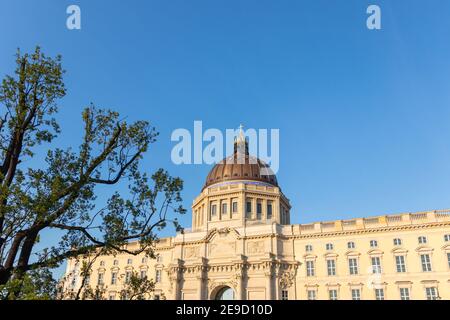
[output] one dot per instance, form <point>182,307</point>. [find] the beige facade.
<point>404,255</point>
<point>242,246</point>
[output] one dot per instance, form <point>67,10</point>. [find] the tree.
<point>133,288</point>
<point>35,285</point>
<point>61,193</point>
<point>137,288</point>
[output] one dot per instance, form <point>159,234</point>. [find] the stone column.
<point>269,290</point>
<point>264,210</point>
<point>243,205</point>
<point>276,277</point>
<point>176,294</point>
<point>175,276</point>
<point>239,278</point>
<point>201,278</point>
<point>200,287</point>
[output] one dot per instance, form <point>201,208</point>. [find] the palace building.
<point>243,246</point>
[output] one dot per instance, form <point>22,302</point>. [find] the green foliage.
<point>137,288</point>
<point>61,194</point>
<point>34,285</point>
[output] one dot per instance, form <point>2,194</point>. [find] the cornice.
<point>372,230</point>
<point>313,235</point>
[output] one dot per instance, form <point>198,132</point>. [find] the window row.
<point>144,260</point>
<point>374,243</point>
<point>224,210</point>
<point>431,293</point>
<point>128,274</point>
<point>353,265</point>
<point>249,210</point>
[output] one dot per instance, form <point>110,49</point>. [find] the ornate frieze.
<point>192,252</point>
<point>255,247</point>
<point>286,279</point>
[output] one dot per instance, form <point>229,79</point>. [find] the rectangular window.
<point>143,274</point>
<point>379,294</point>
<point>448,259</point>
<point>235,207</point>
<point>356,294</point>
<point>422,240</point>
<point>127,276</point>
<point>404,293</point>
<point>331,267</point>
<point>308,248</point>
<point>311,294</point>
<point>258,210</point>
<point>114,278</point>
<point>284,295</point>
<point>397,242</point>
<point>353,265</point>
<point>373,243</point>
<point>431,293</point>
<point>351,245</point>
<point>269,210</point>
<point>376,265</point>
<point>158,276</point>
<point>282,217</point>
<point>224,208</point>
<point>333,294</point>
<point>213,210</point>
<point>400,263</point>
<point>101,277</point>
<point>447,237</point>
<point>310,268</point>
<point>248,209</point>
<point>74,281</point>
<point>329,246</point>
<point>426,262</point>
<point>87,279</point>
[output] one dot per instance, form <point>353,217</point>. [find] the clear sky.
<point>363,115</point>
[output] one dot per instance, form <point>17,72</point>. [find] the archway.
<point>225,293</point>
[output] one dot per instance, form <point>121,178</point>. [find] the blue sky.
<point>363,115</point>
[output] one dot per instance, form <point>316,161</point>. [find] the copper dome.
<point>241,167</point>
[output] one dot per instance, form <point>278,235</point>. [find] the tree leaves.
<point>62,193</point>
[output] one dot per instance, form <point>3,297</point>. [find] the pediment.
<point>424,249</point>
<point>221,233</point>
<point>352,253</point>
<point>399,251</point>
<point>375,252</point>
<point>222,242</point>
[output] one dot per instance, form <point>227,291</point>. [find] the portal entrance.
<point>225,293</point>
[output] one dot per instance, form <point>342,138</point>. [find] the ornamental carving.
<point>222,249</point>
<point>255,247</point>
<point>286,280</point>
<point>214,284</point>
<point>224,231</point>
<point>192,252</point>
<point>173,276</point>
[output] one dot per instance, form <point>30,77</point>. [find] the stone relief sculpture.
<point>286,280</point>
<point>192,252</point>
<point>255,247</point>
